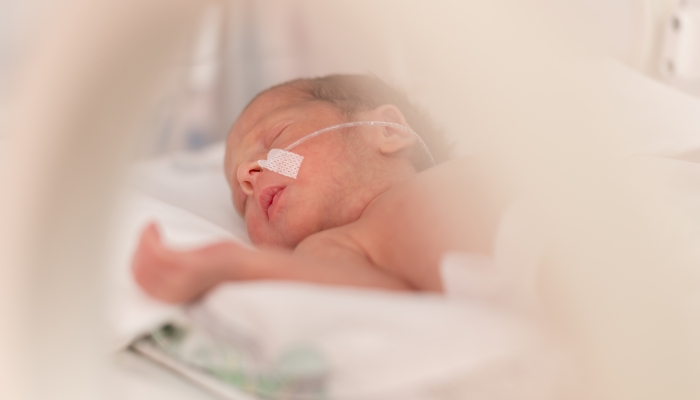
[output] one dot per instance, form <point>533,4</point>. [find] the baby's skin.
<point>358,214</point>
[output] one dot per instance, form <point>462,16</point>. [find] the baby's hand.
<point>180,276</point>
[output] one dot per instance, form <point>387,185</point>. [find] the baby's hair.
<point>352,93</point>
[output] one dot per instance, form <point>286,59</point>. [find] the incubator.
<point>92,92</point>
<point>678,62</point>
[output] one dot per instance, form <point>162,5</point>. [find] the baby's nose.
<point>247,174</point>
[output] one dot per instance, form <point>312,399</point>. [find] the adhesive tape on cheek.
<point>282,162</point>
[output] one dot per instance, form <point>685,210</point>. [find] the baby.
<point>367,207</point>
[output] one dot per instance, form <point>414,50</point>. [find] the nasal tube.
<point>287,163</point>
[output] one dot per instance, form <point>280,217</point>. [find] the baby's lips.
<point>267,196</point>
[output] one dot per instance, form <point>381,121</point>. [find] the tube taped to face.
<point>284,162</point>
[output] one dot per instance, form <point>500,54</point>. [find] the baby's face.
<point>333,185</point>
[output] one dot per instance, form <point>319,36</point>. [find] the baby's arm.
<point>181,276</point>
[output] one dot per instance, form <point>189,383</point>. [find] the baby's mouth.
<point>268,198</point>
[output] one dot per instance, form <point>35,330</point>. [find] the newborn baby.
<point>367,207</point>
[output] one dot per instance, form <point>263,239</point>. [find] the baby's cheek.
<point>239,199</point>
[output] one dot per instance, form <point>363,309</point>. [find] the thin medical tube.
<point>362,123</point>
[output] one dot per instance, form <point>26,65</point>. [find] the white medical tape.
<point>282,162</point>
<point>286,163</point>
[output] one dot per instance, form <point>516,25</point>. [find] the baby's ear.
<point>393,139</point>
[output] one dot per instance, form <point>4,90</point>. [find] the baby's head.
<point>342,171</point>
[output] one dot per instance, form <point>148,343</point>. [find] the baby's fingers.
<point>150,250</point>
<point>151,235</point>
<point>181,276</point>
<point>154,266</point>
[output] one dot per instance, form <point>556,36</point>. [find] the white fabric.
<point>383,345</point>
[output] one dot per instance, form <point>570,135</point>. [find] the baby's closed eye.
<point>275,133</point>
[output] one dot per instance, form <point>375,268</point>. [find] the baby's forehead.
<point>272,103</point>
<point>261,107</point>
<point>270,100</point>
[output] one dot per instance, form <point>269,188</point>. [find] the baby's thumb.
<point>151,235</point>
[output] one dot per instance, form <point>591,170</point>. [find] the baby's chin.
<point>272,238</point>
<point>286,232</point>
